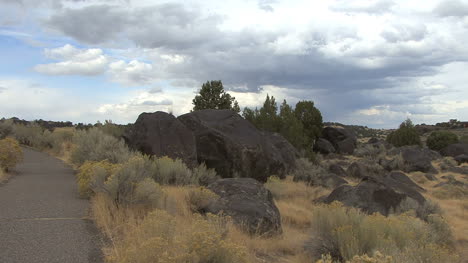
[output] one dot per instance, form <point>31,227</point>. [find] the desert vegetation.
<point>356,201</point>
<point>406,134</point>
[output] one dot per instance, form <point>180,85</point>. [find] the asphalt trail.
<point>42,219</point>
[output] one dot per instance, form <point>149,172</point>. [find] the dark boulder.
<point>342,139</point>
<point>323,146</point>
<point>374,194</point>
<point>281,152</point>
<point>248,203</point>
<point>399,179</point>
<point>161,134</point>
<point>418,159</point>
<point>235,148</point>
<point>373,140</point>
<point>364,168</point>
<point>462,158</point>
<point>337,170</point>
<point>455,149</point>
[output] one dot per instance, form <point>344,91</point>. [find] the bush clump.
<point>94,145</point>
<point>87,173</point>
<point>200,198</point>
<point>406,134</point>
<point>10,153</point>
<point>344,233</point>
<point>31,135</point>
<point>440,139</point>
<point>173,172</point>
<point>123,185</point>
<point>6,128</point>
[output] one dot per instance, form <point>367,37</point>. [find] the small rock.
<point>248,203</point>
<point>462,158</point>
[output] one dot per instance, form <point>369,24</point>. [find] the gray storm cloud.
<point>331,62</point>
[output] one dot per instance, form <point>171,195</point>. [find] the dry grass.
<point>118,223</point>
<point>139,235</point>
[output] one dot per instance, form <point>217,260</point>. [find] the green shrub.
<point>58,138</point>
<point>405,135</point>
<point>312,174</point>
<point>10,153</point>
<point>200,198</point>
<point>94,145</point>
<point>370,151</point>
<point>305,170</point>
<point>345,233</point>
<point>6,128</point>
<point>122,185</point>
<point>30,135</point>
<point>440,139</point>
<point>112,129</point>
<point>149,193</point>
<point>173,172</point>
<point>203,175</point>
<point>89,171</point>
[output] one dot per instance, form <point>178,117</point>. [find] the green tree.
<point>291,127</point>
<point>250,115</point>
<point>440,139</point>
<point>213,96</point>
<point>268,119</point>
<point>311,119</point>
<point>406,134</point>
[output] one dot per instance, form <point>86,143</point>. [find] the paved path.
<point>41,217</point>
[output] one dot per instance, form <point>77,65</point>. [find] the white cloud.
<point>75,61</point>
<point>177,101</point>
<point>133,73</point>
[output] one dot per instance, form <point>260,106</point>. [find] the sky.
<point>372,63</point>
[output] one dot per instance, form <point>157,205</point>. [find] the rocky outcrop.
<point>342,139</point>
<point>323,146</point>
<point>399,179</point>
<point>248,203</point>
<point>235,148</point>
<point>455,149</point>
<point>418,159</point>
<point>161,134</point>
<point>373,194</point>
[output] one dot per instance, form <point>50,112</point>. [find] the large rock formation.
<point>373,194</point>
<point>161,134</point>
<point>248,203</point>
<point>342,139</point>
<point>234,147</point>
<point>455,149</point>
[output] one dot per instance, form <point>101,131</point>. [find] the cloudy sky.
<point>371,63</point>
